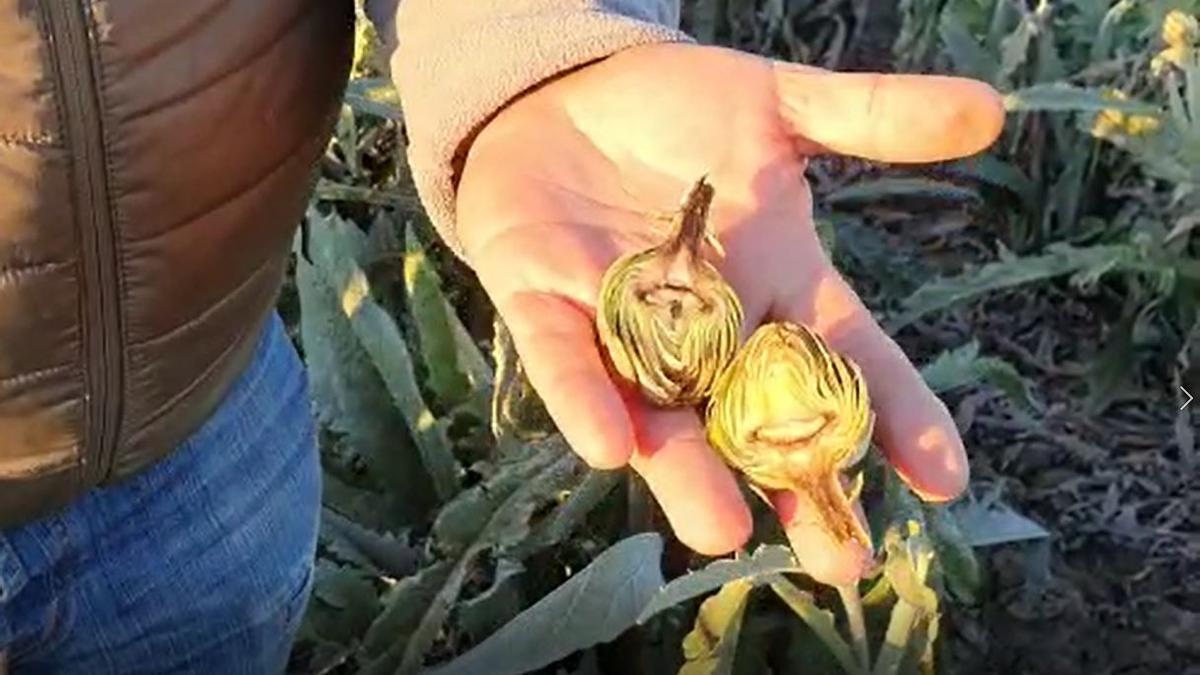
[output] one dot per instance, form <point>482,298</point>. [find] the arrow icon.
<point>1185,403</point>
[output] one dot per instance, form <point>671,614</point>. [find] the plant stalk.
<point>852,602</point>
<point>821,624</point>
<point>895,643</point>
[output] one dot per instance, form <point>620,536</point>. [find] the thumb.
<point>884,117</point>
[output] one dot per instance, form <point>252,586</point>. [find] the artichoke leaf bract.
<point>668,321</point>
<point>791,414</point>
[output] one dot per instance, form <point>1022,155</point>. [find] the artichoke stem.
<point>833,508</point>
<point>692,222</point>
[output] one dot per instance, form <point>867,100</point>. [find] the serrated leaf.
<point>994,523</point>
<point>459,523</point>
<point>592,607</point>
<point>404,606</point>
<point>711,646</point>
<point>336,248</point>
<point>1062,97</point>
<point>767,560</point>
<point>964,367</point>
<point>414,614</point>
<point>505,528</point>
<point>349,393</point>
<point>382,552</point>
<point>953,368</point>
<point>875,189</point>
<point>1060,260</point>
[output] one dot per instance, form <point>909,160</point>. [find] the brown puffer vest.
<point>155,160</point>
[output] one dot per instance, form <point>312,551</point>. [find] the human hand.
<point>561,182</point>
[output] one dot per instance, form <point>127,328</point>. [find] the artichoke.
<point>668,321</point>
<point>791,414</point>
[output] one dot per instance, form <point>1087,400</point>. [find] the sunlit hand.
<point>562,181</point>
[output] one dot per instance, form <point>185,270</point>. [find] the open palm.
<point>569,176</point>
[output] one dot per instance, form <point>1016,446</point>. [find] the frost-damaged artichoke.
<point>791,414</point>
<point>666,318</point>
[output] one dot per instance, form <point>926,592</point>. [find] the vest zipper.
<point>81,112</point>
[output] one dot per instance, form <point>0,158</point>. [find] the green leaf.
<point>1062,97</point>
<point>766,561</point>
<point>991,522</point>
<point>498,512</point>
<point>336,247</point>
<point>1002,375</point>
<point>955,557</point>
<point>905,559</point>
<point>820,621</point>
<point>989,169</point>
<point>970,58</point>
<point>374,96</point>
<point>711,647</point>
<point>382,553</point>
<point>953,368</point>
<point>1060,260</point>
<point>457,526</point>
<point>344,603</point>
<point>911,627</point>
<point>1112,367</point>
<point>567,517</point>
<point>706,20</point>
<point>483,614</point>
<point>405,605</point>
<point>348,392</point>
<point>964,367</point>
<point>429,308</point>
<point>370,509</point>
<point>875,189</point>
<point>1014,49</point>
<point>592,607</point>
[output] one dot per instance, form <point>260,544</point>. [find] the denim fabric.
<point>202,564</point>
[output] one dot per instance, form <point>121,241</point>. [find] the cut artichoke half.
<point>791,414</point>
<point>668,321</point>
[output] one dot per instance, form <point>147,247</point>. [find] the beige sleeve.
<point>458,62</point>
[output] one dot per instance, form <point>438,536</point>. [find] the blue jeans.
<point>201,564</point>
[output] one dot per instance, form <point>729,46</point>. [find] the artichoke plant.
<point>789,413</point>
<point>668,321</point>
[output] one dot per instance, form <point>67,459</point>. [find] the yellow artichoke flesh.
<point>668,321</point>
<point>792,414</point>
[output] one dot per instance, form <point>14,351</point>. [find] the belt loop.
<point>12,573</point>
